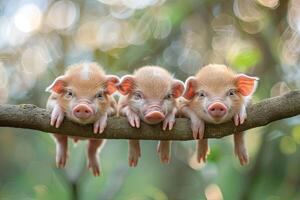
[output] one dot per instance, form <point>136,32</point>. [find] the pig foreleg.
<point>132,117</point>
<point>100,124</point>
<point>57,116</point>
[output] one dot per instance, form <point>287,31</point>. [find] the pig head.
<point>216,93</point>
<point>83,92</point>
<point>151,93</point>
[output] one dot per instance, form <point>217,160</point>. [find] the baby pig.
<point>83,95</point>
<point>216,95</point>
<point>149,95</point>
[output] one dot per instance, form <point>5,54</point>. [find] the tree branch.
<point>260,114</point>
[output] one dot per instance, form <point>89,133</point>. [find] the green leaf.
<point>245,59</point>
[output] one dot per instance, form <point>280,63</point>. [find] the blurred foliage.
<point>40,38</point>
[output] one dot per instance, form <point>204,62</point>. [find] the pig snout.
<point>217,110</point>
<point>82,111</point>
<point>154,114</point>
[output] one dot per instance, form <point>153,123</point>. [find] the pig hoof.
<point>133,119</point>
<point>94,166</point>
<point>198,130</point>
<point>57,117</point>
<point>61,161</point>
<point>100,125</point>
<point>164,157</point>
<point>239,119</point>
<point>163,150</point>
<point>169,122</point>
<point>133,160</point>
<point>197,126</point>
<point>242,155</point>
<point>133,157</point>
<point>202,155</point>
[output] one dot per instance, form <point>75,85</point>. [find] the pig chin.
<point>219,120</point>
<point>210,119</point>
<point>152,121</point>
<point>81,121</point>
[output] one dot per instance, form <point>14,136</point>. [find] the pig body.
<point>82,95</point>
<point>149,95</point>
<point>217,94</point>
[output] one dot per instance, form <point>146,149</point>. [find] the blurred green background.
<point>39,38</point>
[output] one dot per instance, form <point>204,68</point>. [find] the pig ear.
<point>246,84</point>
<point>190,88</point>
<point>57,86</point>
<point>126,85</point>
<point>111,84</point>
<point>177,88</point>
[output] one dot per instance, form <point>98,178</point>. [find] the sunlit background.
<point>40,38</point>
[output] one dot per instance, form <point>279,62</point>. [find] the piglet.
<point>149,95</point>
<point>217,95</point>
<point>83,95</point>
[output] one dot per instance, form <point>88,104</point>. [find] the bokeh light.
<point>288,145</point>
<point>87,34</point>
<point>213,192</point>
<point>121,11</point>
<point>269,3</point>
<point>163,27</point>
<point>109,35</point>
<point>247,10</point>
<point>3,84</point>
<point>28,18</point>
<point>296,134</point>
<point>294,15</point>
<point>34,60</point>
<point>62,14</point>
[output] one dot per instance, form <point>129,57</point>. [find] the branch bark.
<point>259,114</point>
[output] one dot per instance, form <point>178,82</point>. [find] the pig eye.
<point>137,96</point>
<point>231,92</point>
<point>168,97</point>
<point>99,95</point>
<point>201,94</point>
<point>69,94</point>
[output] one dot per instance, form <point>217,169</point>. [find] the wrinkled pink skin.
<point>217,110</point>
<point>80,112</point>
<point>152,114</point>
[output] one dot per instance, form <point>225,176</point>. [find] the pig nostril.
<point>213,109</point>
<point>222,109</point>
<point>86,111</point>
